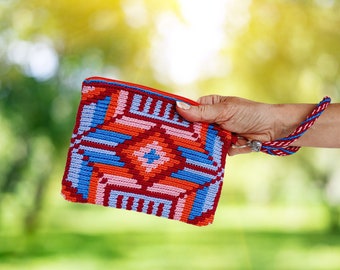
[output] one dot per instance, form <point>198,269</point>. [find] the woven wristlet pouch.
<point>131,150</point>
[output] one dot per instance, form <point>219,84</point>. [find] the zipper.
<point>160,92</point>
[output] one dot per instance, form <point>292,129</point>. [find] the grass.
<point>89,237</point>
<point>178,250</point>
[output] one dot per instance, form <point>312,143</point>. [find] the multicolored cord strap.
<point>281,147</point>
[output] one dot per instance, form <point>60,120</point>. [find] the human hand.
<point>248,119</point>
<point>263,122</point>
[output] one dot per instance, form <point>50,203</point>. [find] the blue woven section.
<point>84,179</point>
<point>198,203</point>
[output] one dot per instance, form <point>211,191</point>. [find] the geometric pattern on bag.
<point>131,150</point>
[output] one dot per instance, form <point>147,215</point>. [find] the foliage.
<point>147,250</point>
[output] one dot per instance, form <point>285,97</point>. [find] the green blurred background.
<point>274,213</point>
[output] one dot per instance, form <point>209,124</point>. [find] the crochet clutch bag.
<point>131,150</point>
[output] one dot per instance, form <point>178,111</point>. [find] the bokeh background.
<point>274,213</point>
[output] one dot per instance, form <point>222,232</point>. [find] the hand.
<point>264,122</point>
<point>249,119</point>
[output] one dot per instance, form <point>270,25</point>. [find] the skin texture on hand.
<point>264,122</point>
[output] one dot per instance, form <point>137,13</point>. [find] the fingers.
<point>201,113</point>
<point>211,99</point>
<point>235,151</point>
<point>209,112</point>
<point>238,147</point>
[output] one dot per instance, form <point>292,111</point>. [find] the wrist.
<point>287,117</point>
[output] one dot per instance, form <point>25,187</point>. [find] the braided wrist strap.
<point>281,147</point>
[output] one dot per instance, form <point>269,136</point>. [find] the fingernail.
<point>183,105</point>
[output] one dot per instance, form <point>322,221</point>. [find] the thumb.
<point>199,113</point>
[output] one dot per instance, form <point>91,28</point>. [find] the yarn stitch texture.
<point>131,150</point>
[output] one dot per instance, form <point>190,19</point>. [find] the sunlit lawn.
<point>89,237</point>
<point>148,250</point>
